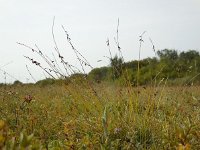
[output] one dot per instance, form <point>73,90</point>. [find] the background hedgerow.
<point>180,68</point>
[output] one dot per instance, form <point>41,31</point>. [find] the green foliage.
<point>100,74</point>
<point>170,64</point>
<point>167,55</point>
<point>49,81</point>
<point>117,66</point>
<point>78,76</point>
<point>17,83</point>
<point>45,82</point>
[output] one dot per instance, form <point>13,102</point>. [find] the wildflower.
<point>28,98</point>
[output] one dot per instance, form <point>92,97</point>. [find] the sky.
<point>172,24</point>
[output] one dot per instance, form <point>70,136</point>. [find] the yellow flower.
<point>184,147</point>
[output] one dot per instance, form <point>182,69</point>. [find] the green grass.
<point>100,116</point>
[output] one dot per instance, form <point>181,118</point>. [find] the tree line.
<point>176,67</point>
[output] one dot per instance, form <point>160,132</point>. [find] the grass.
<point>74,117</point>
<point>77,113</point>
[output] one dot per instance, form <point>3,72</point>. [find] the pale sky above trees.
<point>172,24</point>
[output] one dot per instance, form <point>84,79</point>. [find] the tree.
<point>189,56</point>
<point>167,54</point>
<point>99,74</point>
<point>117,66</point>
<point>17,82</point>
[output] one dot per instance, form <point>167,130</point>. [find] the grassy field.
<point>86,115</point>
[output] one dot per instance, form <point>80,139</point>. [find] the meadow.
<point>86,115</point>
<point>133,108</point>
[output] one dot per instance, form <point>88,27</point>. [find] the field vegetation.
<point>75,117</point>
<point>152,103</point>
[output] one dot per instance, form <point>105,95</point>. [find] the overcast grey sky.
<point>170,24</point>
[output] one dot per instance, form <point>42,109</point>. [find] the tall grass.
<point>77,113</point>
